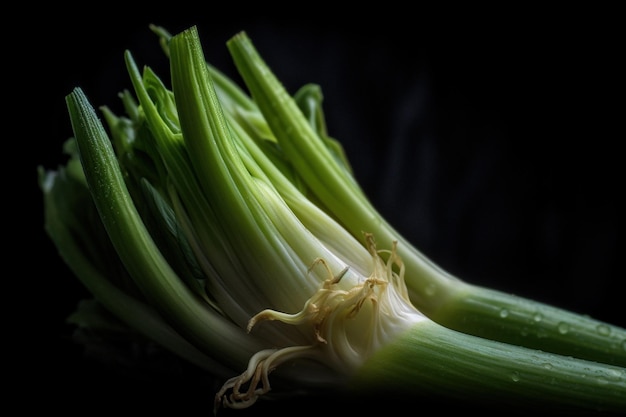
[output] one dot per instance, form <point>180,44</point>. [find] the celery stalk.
<point>141,258</point>
<point>444,298</point>
<point>200,240</point>
<point>489,373</point>
<point>60,191</point>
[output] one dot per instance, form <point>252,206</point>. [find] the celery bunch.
<point>229,229</point>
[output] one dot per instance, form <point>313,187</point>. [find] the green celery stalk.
<point>217,146</point>
<point>138,252</point>
<point>221,259</point>
<point>490,374</point>
<point>444,298</point>
<point>66,199</point>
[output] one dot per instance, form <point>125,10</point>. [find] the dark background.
<point>493,144</point>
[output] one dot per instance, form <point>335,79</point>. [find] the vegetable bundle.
<point>228,228</point>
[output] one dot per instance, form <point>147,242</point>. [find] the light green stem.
<point>436,293</point>
<point>132,311</point>
<point>138,252</point>
<point>429,360</point>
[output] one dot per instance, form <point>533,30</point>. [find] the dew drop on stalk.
<point>603,329</point>
<point>431,289</point>
<point>504,313</point>
<point>602,380</point>
<point>615,375</point>
<point>563,327</point>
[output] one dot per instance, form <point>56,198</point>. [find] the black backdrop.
<point>492,145</point>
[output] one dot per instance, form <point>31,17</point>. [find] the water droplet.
<point>538,317</point>
<point>547,365</point>
<point>603,329</point>
<point>515,376</point>
<point>602,380</point>
<point>504,313</point>
<point>431,289</point>
<point>563,327</point>
<point>615,374</point>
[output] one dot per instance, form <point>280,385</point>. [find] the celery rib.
<point>441,296</point>
<point>136,248</point>
<point>133,312</point>
<point>430,359</point>
<point>229,229</point>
